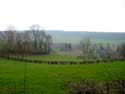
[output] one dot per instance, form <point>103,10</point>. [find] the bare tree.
<point>42,41</point>
<point>26,43</point>
<point>121,50</point>
<point>86,44</point>
<point>9,39</point>
<point>48,43</point>
<point>35,29</point>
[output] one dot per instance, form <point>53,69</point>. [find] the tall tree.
<point>48,43</point>
<point>121,50</point>
<point>10,38</point>
<point>86,44</point>
<point>35,31</point>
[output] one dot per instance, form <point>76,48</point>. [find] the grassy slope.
<point>50,78</point>
<point>54,58</point>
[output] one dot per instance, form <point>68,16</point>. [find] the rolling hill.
<point>75,36</point>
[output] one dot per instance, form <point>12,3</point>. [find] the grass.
<point>54,58</point>
<point>50,79</point>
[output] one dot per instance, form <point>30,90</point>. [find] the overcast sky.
<point>83,15</point>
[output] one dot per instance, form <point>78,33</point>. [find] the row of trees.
<point>34,41</point>
<point>101,51</point>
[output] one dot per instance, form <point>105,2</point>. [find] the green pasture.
<point>50,79</point>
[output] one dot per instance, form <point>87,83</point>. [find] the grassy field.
<point>50,79</point>
<point>53,58</point>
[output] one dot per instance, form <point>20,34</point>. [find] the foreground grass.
<point>50,79</point>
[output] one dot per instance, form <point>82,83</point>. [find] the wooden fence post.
<point>107,88</point>
<point>122,87</point>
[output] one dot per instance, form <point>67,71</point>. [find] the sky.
<point>68,15</point>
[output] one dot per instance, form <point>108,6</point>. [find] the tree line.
<point>102,51</point>
<point>33,41</point>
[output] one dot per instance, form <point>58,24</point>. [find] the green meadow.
<point>53,58</point>
<point>50,79</point>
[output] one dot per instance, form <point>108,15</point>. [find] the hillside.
<point>75,36</point>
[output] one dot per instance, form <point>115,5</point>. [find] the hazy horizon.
<point>65,15</point>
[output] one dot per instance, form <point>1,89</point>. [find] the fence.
<point>62,62</point>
